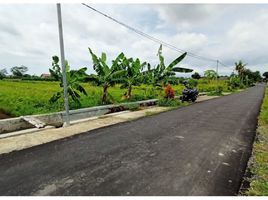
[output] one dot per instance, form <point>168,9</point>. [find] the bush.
<point>192,83</point>
<point>149,93</point>
<point>196,76</point>
<point>169,92</point>
<point>217,92</point>
<point>235,82</point>
<point>168,102</point>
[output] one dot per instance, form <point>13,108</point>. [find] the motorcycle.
<point>189,94</point>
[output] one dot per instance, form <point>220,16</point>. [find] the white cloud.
<point>29,34</point>
<point>246,40</point>
<point>185,16</point>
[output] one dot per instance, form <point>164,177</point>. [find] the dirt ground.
<point>3,115</point>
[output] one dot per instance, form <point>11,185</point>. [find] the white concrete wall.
<point>57,119</point>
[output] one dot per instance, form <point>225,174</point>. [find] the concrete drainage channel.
<point>45,121</point>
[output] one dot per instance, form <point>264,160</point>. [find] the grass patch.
<point>259,167</point>
<point>21,97</point>
<point>169,102</point>
<point>217,92</point>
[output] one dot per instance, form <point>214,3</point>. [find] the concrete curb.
<point>57,119</point>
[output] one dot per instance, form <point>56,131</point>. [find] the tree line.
<point>126,71</point>
<point>129,72</point>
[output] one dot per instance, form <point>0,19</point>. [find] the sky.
<point>229,33</point>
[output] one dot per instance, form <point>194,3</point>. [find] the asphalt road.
<point>200,149</point>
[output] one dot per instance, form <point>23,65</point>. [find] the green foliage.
<point>20,97</point>
<point>251,77</point>
<point>234,82</point>
<point>240,68</point>
<point>73,77</point>
<point>265,75</point>
<point>132,107</point>
<point>55,72</point>
<point>205,85</point>
<point>217,92</point>
<point>161,75</point>
<point>196,75</point>
<point>246,76</point>
<point>192,82</point>
<point>19,71</point>
<point>3,73</point>
<point>106,76</point>
<point>169,102</point>
<point>259,168</point>
<point>132,73</point>
<point>210,74</point>
<point>124,72</point>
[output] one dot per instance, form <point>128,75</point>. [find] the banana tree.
<point>132,74</point>
<point>73,77</point>
<point>106,76</point>
<point>162,74</point>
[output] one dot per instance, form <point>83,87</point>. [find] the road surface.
<point>201,149</point>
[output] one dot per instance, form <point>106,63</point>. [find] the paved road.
<point>200,149</point>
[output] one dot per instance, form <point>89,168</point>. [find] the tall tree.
<point>196,75</point>
<point>265,75</point>
<point>19,71</point>
<point>251,77</point>
<point>240,68</point>
<point>3,73</point>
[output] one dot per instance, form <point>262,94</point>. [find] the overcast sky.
<point>29,34</point>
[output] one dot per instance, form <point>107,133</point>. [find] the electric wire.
<point>170,46</point>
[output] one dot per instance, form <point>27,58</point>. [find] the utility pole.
<point>217,69</point>
<point>63,66</point>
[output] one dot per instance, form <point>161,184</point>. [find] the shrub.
<point>196,76</point>
<point>234,82</point>
<point>168,102</point>
<point>169,92</point>
<point>218,91</point>
<point>192,83</point>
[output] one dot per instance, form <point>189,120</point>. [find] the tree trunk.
<point>104,96</point>
<point>129,92</point>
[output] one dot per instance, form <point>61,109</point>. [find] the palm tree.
<point>106,76</point>
<point>73,77</point>
<point>240,68</point>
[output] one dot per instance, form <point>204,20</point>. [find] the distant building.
<point>45,75</point>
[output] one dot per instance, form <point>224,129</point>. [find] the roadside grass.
<point>259,168</point>
<point>19,98</point>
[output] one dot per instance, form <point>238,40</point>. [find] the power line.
<point>170,46</point>
<point>231,68</point>
<point>151,37</point>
